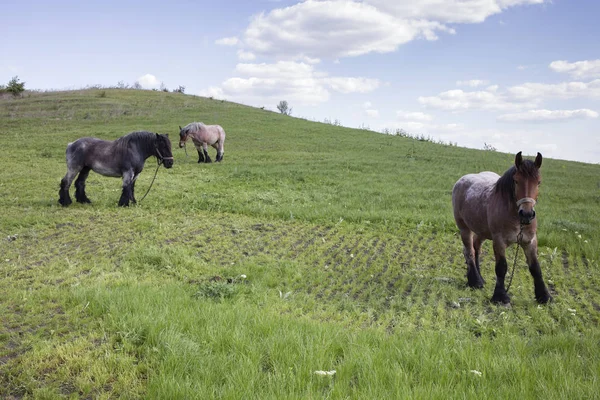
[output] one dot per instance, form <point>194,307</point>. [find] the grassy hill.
<point>311,247</point>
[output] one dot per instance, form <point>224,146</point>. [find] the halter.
<point>161,158</point>
<point>526,200</point>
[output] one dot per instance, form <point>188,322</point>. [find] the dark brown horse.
<point>498,208</point>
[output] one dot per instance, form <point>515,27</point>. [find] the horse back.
<point>471,196</point>
<point>97,154</point>
<point>210,134</point>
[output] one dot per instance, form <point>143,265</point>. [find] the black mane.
<point>505,186</point>
<point>145,138</point>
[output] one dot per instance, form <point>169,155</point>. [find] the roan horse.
<point>123,157</point>
<point>487,206</point>
<point>203,136</point>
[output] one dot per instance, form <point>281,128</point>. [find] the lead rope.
<point>151,183</point>
<point>159,160</point>
<point>519,240</point>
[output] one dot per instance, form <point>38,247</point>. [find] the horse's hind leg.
<point>477,241</point>
<point>220,151</point>
<point>80,186</point>
<point>474,279</point>
<point>64,199</point>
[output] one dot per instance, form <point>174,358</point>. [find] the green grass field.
<point>311,247</point>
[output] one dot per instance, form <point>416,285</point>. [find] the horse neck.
<point>147,147</point>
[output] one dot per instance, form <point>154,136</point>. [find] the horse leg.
<point>80,186</point>
<point>206,156</point>
<point>477,247</point>
<point>200,156</point>
<point>473,277</point>
<point>500,296</point>
<point>219,147</point>
<point>133,188</point>
<point>65,183</point>
<point>127,189</point>
<point>542,295</point>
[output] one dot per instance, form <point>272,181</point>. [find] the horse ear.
<point>538,160</point>
<point>157,136</point>
<point>179,127</point>
<point>518,160</point>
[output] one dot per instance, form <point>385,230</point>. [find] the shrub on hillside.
<point>15,87</point>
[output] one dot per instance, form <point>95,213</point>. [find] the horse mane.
<point>193,127</point>
<point>147,139</point>
<point>505,186</point>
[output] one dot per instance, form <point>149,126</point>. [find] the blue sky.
<point>520,75</point>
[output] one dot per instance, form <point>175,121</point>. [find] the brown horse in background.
<point>203,136</point>
<point>487,206</point>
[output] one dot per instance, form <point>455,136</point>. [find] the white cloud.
<point>472,83</point>
<point>459,100</point>
<point>149,81</point>
<point>352,85</point>
<point>372,113</point>
<point>367,104</point>
<point>413,116</point>
<point>296,82</point>
<point>548,115</point>
<point>579,69</point>
<point>565,90</point>
<point>228,41</point>
<point>213,91</point>
<point>245,55</point>
<point>333,28</point>
<point>448,11</point>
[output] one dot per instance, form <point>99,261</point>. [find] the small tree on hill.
<point>284,108</point>
<point>15,87</point>
<point>180,89</point>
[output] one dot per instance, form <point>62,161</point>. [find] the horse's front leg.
<point>200,156</point>
<point>206,156</point>
<point>542,295</point>
<point>500,296</point>
<point>133,188</point>
<point>127,193</point>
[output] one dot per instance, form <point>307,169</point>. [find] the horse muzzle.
<point>168,162</point>
<point>526,217</point>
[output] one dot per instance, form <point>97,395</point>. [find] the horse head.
<point>163,150</point>
<point>527,180</point>
<point>183,134</point>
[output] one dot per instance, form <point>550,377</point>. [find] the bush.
<point>284,108</point>
<point>180,89</point>
<point>15,87</point>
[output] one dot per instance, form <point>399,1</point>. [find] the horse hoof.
<point>545,299</point>
<point>500,299</point>
<point>476,284</point>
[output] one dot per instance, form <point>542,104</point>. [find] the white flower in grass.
<point>571,310</point>
<point>585,241</point>
<point>579,236</point>
<point>325,373</point>
<point>478,373</point>
<point>243,276</point>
